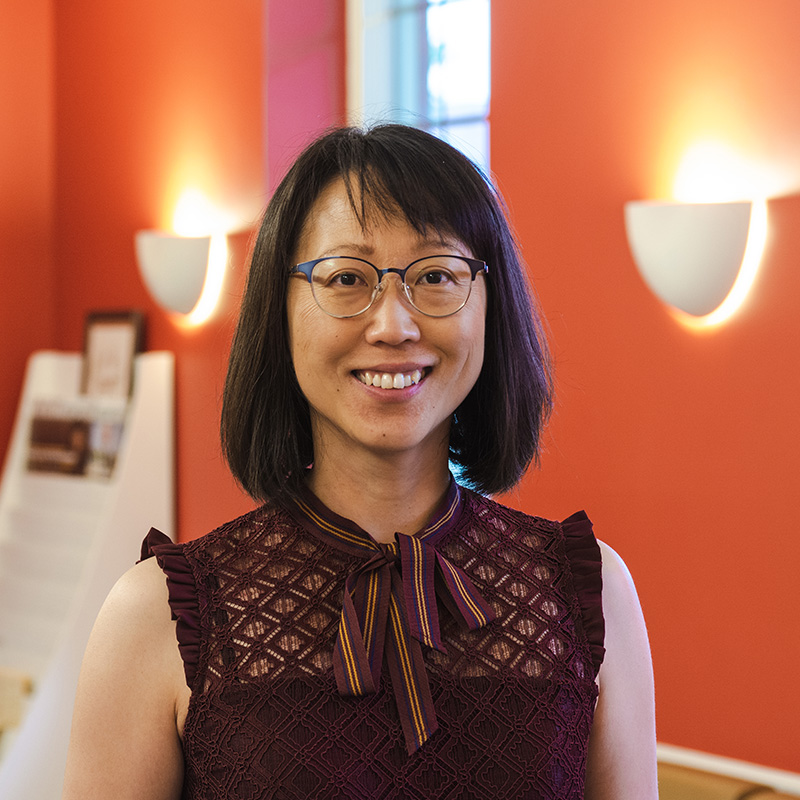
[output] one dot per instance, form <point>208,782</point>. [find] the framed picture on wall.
<point>111,340</point>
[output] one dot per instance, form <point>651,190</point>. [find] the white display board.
<point>66,538</point>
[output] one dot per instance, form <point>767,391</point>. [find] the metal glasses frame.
<point>307,267</point>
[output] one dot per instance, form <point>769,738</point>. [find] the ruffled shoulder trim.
<point>183,601</point>
<point>586,562</point>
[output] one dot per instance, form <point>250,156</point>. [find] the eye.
<point>347,279</point>
<point>439,273</point>
<point>434,277</point>
<point>340,273</point>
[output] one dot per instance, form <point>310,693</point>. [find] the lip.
<point>405,367</point>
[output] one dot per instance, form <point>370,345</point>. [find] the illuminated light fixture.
<point>698,256</point>
<point>184,272</point>
<point>173,267</point>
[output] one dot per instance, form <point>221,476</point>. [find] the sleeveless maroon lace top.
<point>458,663</point>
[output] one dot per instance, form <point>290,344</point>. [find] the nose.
<point>392,318</point>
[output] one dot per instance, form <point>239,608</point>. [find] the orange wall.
<point>682,447</point>
<point>150,97</point>
<point>26,192</point>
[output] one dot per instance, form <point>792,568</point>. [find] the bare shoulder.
<point>135,619</point>
<point>619,591</point>
<point>125,737</point>
<point>140,597</point>
<point>626,640</point>
<point>622,761</point>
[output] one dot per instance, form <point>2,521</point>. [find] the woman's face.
<point>435,360</point>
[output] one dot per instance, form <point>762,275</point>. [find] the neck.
<point>382,496</point>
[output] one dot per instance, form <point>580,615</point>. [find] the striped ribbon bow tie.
<point>390,611</point>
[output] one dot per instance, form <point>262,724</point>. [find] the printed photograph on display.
<point>71,438</point>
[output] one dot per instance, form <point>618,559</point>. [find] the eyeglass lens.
<point>436,286</point>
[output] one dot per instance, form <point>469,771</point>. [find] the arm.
<point>622,746</point>
<point>125,741</point>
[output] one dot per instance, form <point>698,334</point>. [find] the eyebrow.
<point>349,248</point>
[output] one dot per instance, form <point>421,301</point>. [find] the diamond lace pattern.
<point>514,700</point>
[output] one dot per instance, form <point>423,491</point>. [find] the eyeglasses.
<point>436,286</point>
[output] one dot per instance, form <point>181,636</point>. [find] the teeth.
<point>388,380</point>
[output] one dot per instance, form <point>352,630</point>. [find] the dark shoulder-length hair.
<point>388,169</point>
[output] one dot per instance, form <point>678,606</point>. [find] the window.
<point>424,64</point>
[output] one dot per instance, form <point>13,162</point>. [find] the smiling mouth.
<point>390,380</point>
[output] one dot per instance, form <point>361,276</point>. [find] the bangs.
<point>435,188</point>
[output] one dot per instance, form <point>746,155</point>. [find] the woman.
<point>375,630</point>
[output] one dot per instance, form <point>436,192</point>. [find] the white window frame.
<point>355,94</point>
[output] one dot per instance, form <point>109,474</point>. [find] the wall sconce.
<point>698,258</point>
<point>185,271</point>
<point>173,267</point>
<point>184,274</point>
